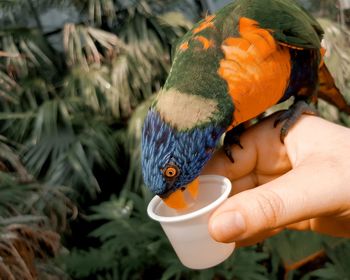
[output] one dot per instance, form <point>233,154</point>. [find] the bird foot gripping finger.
<point>228,153</point>
<point>232,137</point>
<point>292,115</point>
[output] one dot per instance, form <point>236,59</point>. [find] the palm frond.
<point>34,203</point>
<point>67,157</point>
<point>83,43</point>
<point>92,85</point>
<point>23,198</point>
<point>8,89</point>
<point>294,246</point>
<point>121,257</point>
<point>13,194</point>
<point>29,51</point>
<point>99,10</point>
<point>177,22</point>
<point>337,268</point>
<point>337,42</point>
<point>21,247</point>
<point>66,108</point>
<point>10,160</point>
<point>23,220</point>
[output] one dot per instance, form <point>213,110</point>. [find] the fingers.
<point>247,216</point>
<point>262,158</point>
<point>258,238</point>
<point>312,136</point>
<point>335,226</point>
<point>315,188</point>
<point>302,226</point>
<point>245,161</point>
<point>291,198</point>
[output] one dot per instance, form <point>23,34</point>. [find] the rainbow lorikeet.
<point>231,67</point>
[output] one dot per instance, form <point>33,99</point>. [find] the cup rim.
<point>162,219</point>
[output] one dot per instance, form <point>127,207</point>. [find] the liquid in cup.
<point>187,230</point>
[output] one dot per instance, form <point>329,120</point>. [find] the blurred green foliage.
<point>73,94</point>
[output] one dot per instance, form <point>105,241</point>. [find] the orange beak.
<point>177,199</point>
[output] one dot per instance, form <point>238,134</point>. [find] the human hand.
<point>303,184</point>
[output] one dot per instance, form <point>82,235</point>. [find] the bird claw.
<point>232,137</point>
<point>228,153</point>
<point>292,115</point>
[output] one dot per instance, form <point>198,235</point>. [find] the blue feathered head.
<point>171,158</point>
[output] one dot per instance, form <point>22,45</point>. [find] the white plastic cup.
<point>187,230</point>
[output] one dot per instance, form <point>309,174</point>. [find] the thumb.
<point>298,195</point>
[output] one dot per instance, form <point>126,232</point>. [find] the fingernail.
<point>228,226</point>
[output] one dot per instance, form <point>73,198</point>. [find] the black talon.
<point>232,138</point>
<point>292,115</point>
<point>279,118</point>
<point>228,153</point>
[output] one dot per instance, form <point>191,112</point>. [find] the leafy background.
<point>76,79</point>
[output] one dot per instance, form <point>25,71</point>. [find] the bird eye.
<point>170,172</point>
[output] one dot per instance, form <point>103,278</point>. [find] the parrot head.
<point>173,159</point>
<point>189,116</point>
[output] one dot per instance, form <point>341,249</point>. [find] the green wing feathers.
<point>287,20</point>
